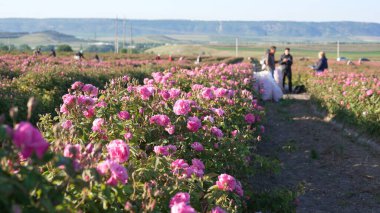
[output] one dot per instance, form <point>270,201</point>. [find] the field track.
<point>332,172</point>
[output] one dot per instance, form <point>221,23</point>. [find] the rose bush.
<point>353,97</point>
<point>181,142</point>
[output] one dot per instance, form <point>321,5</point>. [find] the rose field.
<point>180,140</point>
<point>141,135</point>
<point>349,94</point>
<point>352,97</point>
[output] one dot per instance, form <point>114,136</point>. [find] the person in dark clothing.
<point>286,62</point>
<point>270,60</point>
<point>322,63</point>
<point>53,53</point>
<point>37,52</point>
<point>97,58</point>
<point>80,55</point>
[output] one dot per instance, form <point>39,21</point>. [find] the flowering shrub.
<point>353,97</point>
<point>176,143</point>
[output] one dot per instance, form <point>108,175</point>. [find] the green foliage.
<point>234,60</point>
<point>100,48</point>
<point>64,48</point>
<point>276,201</point>
<point>24,48</point>
<point>7,48</point>
<point>45,48</point>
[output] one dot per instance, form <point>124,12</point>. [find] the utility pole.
<point>130,31</point>
<point>116,36</point>
<point>237,47</point>
<point>124,33</point>
<point>130,48</point>
<point>338,50</point>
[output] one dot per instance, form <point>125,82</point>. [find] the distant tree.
<point>64,48</point>
<point>124,50</point>
<point>44,48</point>
<point>7,48</point>
<point>24,48</point>
<point>3,47</point>
<point>100,48</point>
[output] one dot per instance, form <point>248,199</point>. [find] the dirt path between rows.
<point>336,173</point>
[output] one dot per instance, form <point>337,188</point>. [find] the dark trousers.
<point>288,74</point>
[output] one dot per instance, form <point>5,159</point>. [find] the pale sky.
<point>251,10</point>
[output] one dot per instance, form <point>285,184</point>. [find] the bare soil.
<point>332,172</point>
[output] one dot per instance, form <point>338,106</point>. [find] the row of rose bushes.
<point>47,79</point>
<point>352,97</point>
<point>181,142</point>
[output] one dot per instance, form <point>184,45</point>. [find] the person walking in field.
<point>97,58</point>
<point>270,60</point>
<point>52,53</point>
<point>322,63</point>
<point>79,55</point>
<point>286,62</point>
<point>37,52</point>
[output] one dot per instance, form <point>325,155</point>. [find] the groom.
<point>286,62</point>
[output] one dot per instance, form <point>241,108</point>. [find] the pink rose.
<point>180,197</point>
<point>165,95</point>
<point>219,112</point>
<point>64,109</point>
<point>97,125</point>
<point>162,120</point>
<point>117,173</point>
<point>29,140</point>
<point>234,133</point>
<point>208,94</point>
<point>124,115</point>
<point>165,150</point>
<point>181,107</point>
<point>216,132</point>
<point>170,129</point>
<point>118,151</point>
<point>145,92</point>
<point>89,113</point>
<point>128,136</point>
<point>182,208</point>
<point>174,93</point>
<point>218,210</point>
<point>77,85</point>
<point>369,92</point>
<point>226,182</point>
<point>90,90</point>
<point>197,146</point>
<point>67,124</point>
<point>194,124</point>
<point>69,100</point>
<point>250,118</point>
<point>179,168</point>
<point>196,168</point>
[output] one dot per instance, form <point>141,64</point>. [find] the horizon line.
<point>181,19</point>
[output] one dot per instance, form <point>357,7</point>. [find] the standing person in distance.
<point>53,53</point>
<point>270,60</point>
<point>286,62</point>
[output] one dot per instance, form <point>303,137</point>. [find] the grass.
<point>352,51</point>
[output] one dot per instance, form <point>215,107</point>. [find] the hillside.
<point>93,28</point>
<point>38,38</point>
